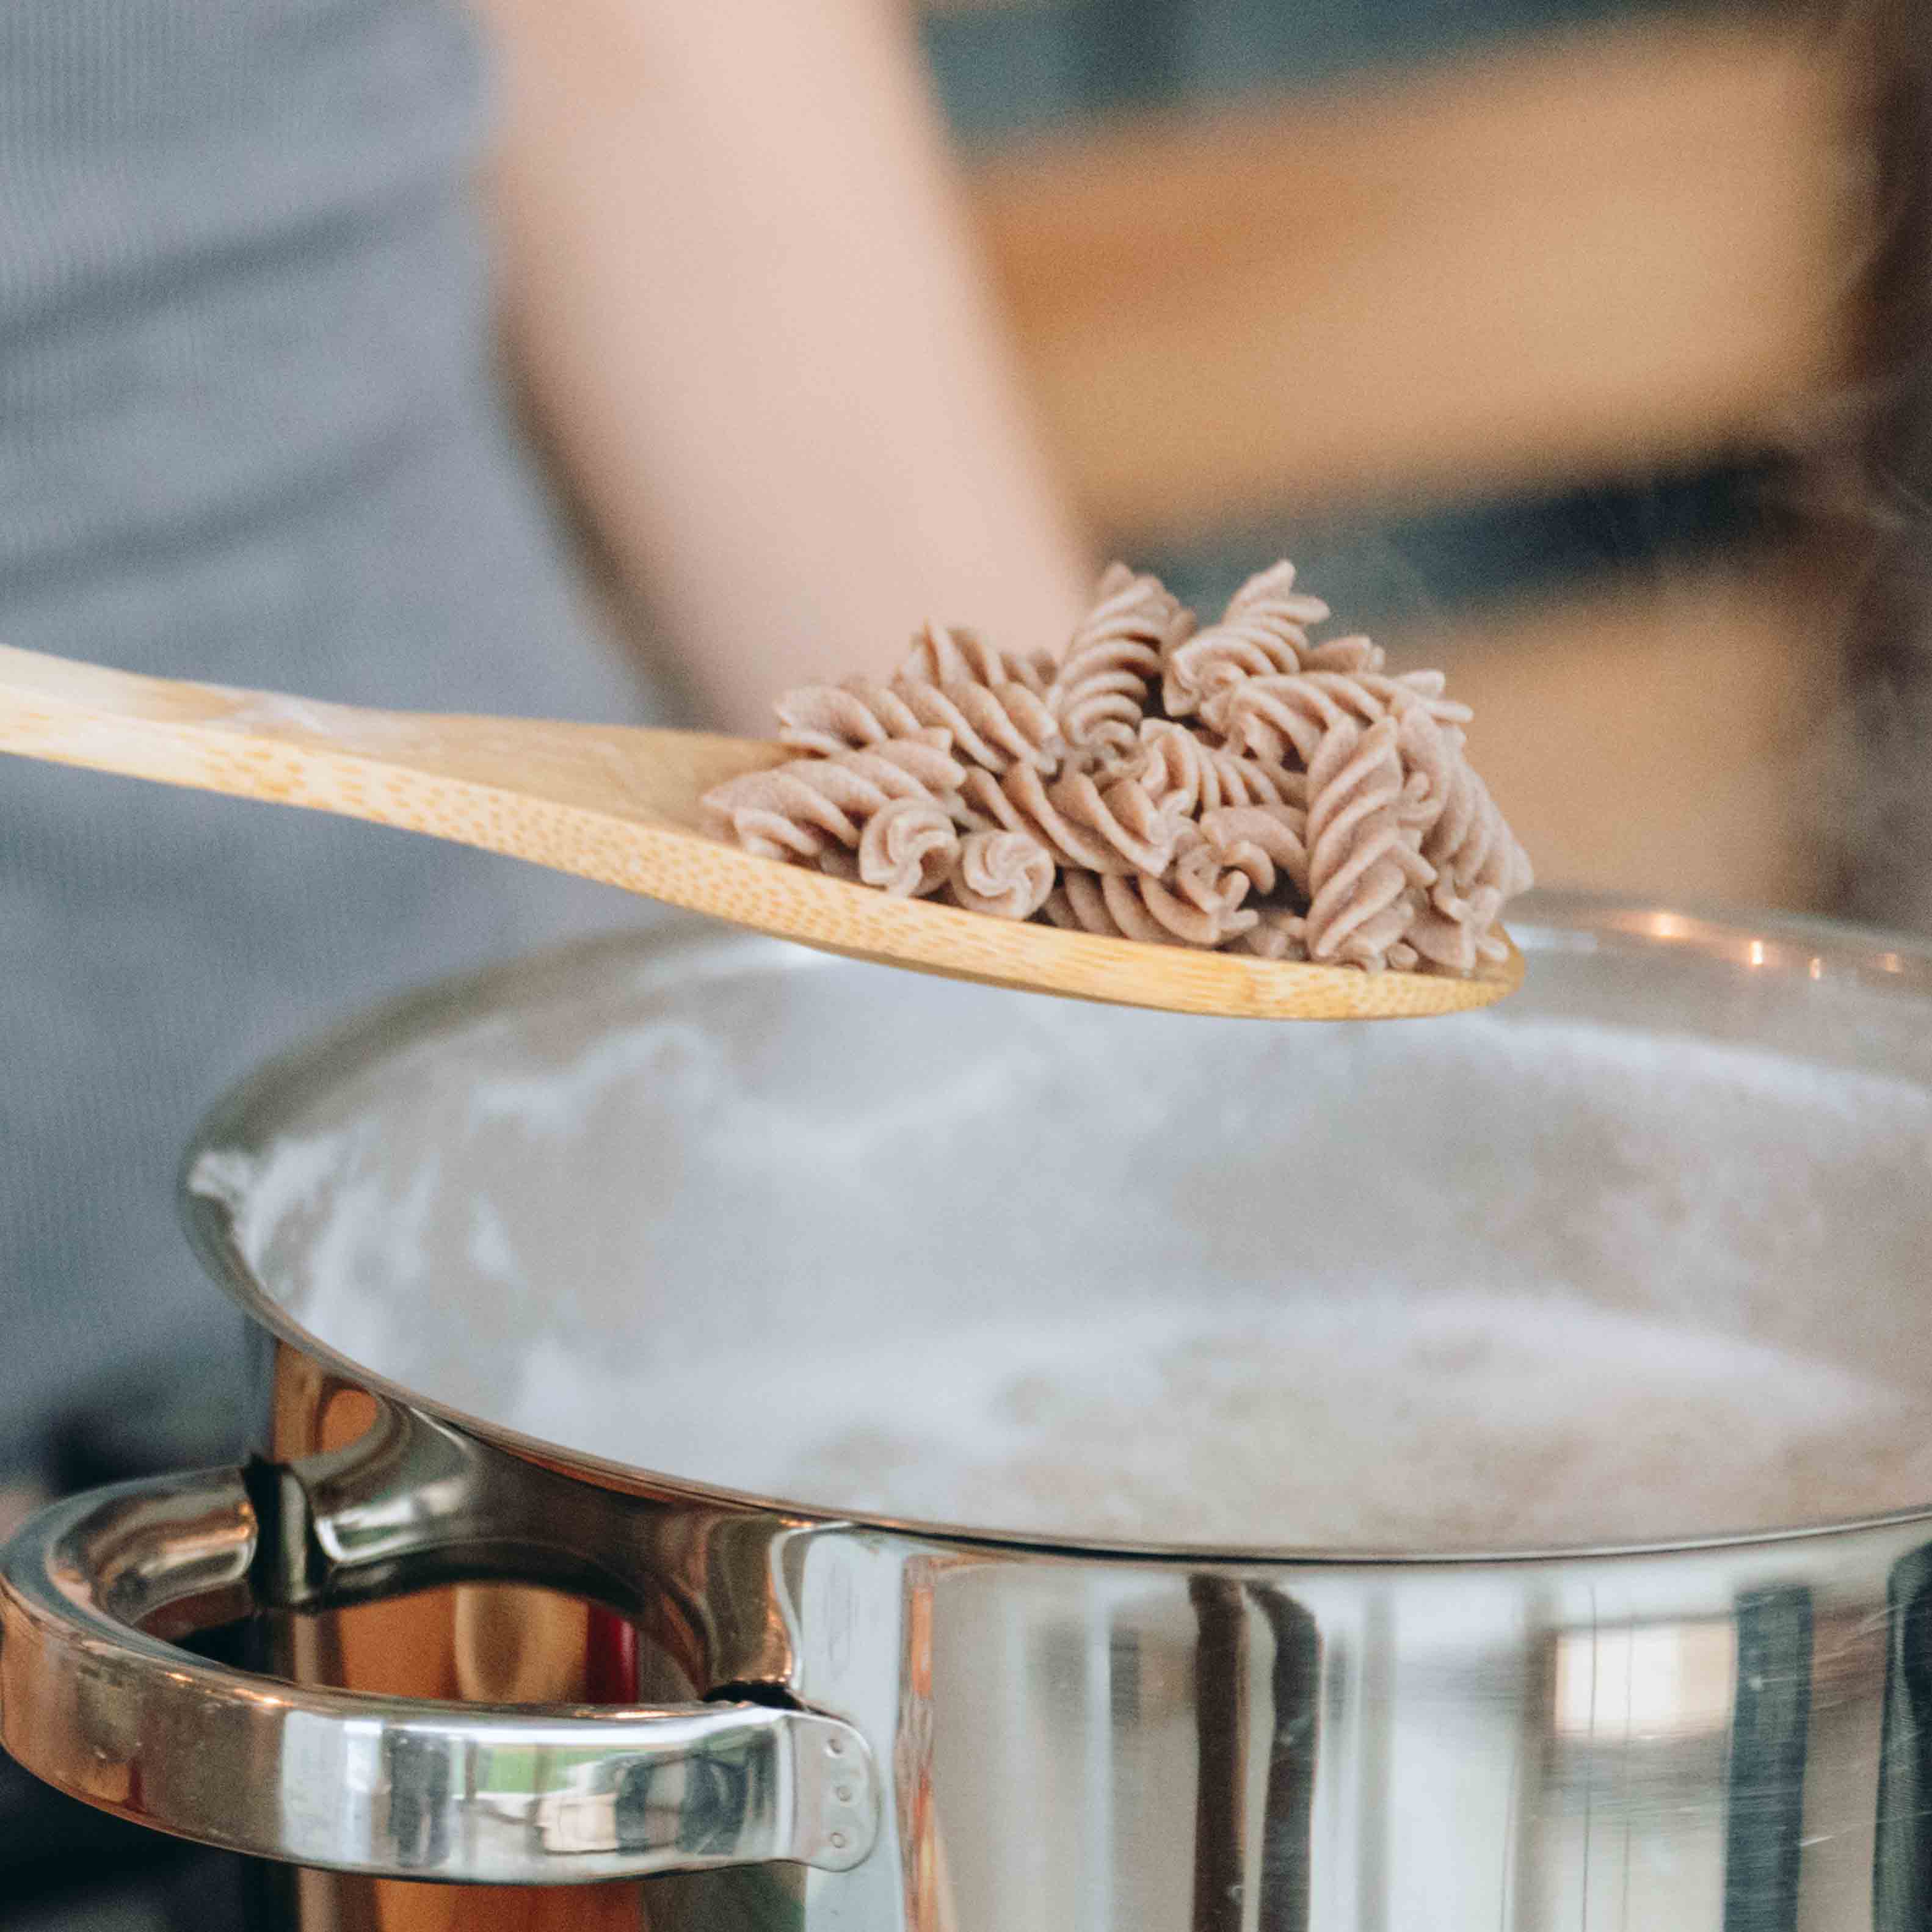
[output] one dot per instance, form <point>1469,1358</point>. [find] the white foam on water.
<point>1510,1283</point>
<point>1464,1422</point>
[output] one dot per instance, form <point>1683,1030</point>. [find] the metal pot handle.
<point>393,1786</point>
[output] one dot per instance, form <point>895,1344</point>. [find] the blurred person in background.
<point>254,255</point>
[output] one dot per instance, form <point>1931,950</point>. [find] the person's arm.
<point>748,308</point>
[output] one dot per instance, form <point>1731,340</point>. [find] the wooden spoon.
<point>620,804</point>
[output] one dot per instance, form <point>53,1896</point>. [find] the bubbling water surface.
<point>1461,1422</point>
<point>834,1235</point>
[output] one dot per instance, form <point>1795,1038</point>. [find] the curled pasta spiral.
<point>1265,842</point>
<point>992,725</point>
<point>907,847</point>
<point>1181,769</point>
<point>1355,655</point>
<point>1232,853</point>
<point>825,719</point>
<point>1099,693</point>
<point>1007,874</point>
<point>1466,839</point>
<point>1284,717</point>
<point>1478,862</point>
<point>1264,630</point>
<point>1120,828</point>
<point>1456,942</point>
<point>1364,863</point>
<point>1202,907</point>
<point>801,810</point>
<point>1278,934</point>
<point>947,654</point>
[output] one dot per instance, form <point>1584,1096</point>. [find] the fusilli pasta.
<point>1121,829</point>
<point>1135,906</point>
<point>1180,768</point>
<point>1278,934</point>
<point>1099,693</point>
<point>1284,718</point>
<point>1263,629</point>
<point>1364,862</point>
<point>798,810</point>
<point>1466,839</point>
<point>992,725</point>
<point>1007,873</point>
<point>907,847</point>
<point>1262,841</point>
<point>951,654</point>
<point>1240,786</point>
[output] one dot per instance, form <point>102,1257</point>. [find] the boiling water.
<point>1464,1422</point>
<point>1014,1264</point>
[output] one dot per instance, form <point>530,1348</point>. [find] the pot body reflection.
<point>1726,1738</point>
<point>546,1265</point>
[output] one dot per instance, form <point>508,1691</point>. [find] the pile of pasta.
<point>1233,785</point>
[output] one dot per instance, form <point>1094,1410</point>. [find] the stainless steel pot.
<point>545,1264</point>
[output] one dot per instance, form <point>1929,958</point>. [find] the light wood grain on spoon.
<point>620,804</point>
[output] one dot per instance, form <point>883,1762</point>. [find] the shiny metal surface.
<point>1727,1738</point>
<point>1724,1734</point>
<point>92,1701</point>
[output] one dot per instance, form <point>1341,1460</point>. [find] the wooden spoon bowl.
<point>620,804</point>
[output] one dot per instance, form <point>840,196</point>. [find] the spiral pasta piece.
<point>1363,864</point>
<point>802,809</point>
<point>1478,860</point>
<point>952,654</point>
<point>1136,907</point>
<point>1180,768</point>
<point>1008,874</point>
<point>1266,842</point>
<point>1075,905</point>
<point>907,847</point>
<point>1458,941</point>
<point>1117,830</point>
<point>992,725</point>
<point>1457,926</point>
<point>1100,693</point>
<point>1286,718</point>
<point>1354,655</point>
<point>825,719</point>
<point>1264,630</point>
<point>1277,934</point>
<point>1469,844</point>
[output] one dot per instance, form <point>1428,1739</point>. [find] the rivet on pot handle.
<point>397,1787</point>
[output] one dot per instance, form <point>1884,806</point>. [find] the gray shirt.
<point>250,431</point>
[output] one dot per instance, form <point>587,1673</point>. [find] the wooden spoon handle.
<point>400,768</point>
<point>614,803</point>
<point>619,805</point>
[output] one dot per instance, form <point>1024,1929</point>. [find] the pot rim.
<point>258,1106</point>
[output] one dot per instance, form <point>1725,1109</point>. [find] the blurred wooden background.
<point>1589,259</point>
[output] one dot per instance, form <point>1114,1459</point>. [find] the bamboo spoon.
<point>618,804</point>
